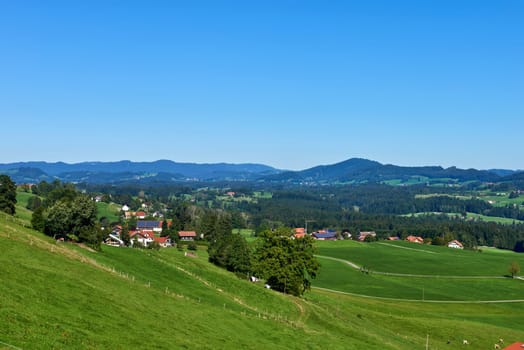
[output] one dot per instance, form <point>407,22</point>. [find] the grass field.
<point>411,258</point>
<point>110,211</point>
<point>57,296</point>
<point>419,272</point>
<point>22,199</point>
<point>472,216</point>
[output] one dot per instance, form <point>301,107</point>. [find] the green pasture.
<point>471,216</point>
<point>111,211</point>
<point>22,199</point>
<point>263,195</point>
<point>502,201</point>
<point>62,296</point>
<point>430,195</point>
<point>339,276</point>
<point>411,258</point>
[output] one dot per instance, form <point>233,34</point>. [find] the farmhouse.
<point>299,232</point>
<point>114,240</point>
<point>415,239</point>
<point>163,241</point>
<point>187,235</point>
<point>362,236</point>
<point>455,244</point>
<point>325,235</point>
<point>144,237</point>
<point>155,226</point>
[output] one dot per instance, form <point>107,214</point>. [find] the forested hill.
<point>128,171</point>
<point>355,170</point>
<point>363,170</point>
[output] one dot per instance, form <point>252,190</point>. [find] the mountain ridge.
<point>353,170</point>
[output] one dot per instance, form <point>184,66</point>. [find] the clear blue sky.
<point>291,84</point>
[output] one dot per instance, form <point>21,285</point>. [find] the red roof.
<point>161,239</point>
<point>515,346</point>
<point>140,213</point>
<point>186,233</point>
<point>414,239</point>
<point>299,230</point>
<point>300,235</point>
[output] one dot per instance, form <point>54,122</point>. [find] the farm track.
<point>358,267</point>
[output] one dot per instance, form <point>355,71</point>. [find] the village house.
<point>187,235</point>
<point>140,215</point>
<point>155,226</point>
<point>362,236</point>
<point>163,241</point>
<point>393,238</point>
<point>299,232</point>
<point>455,244</point>
<point>415,239</point>
<point>114,240</point>
<point>144,237</point>
<point>325,235</point>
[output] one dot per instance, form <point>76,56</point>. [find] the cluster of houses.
<point>331,235</point>
<point>146,233</point>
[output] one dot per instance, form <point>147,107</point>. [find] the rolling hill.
<point>355,170</point>
<point>60,295</point>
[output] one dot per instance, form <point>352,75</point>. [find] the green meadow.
<point>64,296</point>
<point>110,211</point>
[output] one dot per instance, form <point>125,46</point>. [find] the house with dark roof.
<point>325,235</point>
<point>149,225</point>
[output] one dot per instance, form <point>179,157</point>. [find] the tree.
<point>38,220</point>
<point>7,195</point>
<point>287,265</point>
<point>514,269</point>
<point>76,217</point>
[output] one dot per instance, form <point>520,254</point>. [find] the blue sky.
<point>290,84</point>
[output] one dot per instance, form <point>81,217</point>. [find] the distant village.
<point>149,231</point>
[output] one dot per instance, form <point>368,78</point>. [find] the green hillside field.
<point>59,295</point>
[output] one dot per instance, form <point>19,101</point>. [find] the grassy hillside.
<point>57,296</point>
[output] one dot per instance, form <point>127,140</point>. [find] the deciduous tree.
<point>287,265</point>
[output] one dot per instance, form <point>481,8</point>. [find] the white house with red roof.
<point>455,244</point>
<point>163,241</point>
<point>415,239</point>
<point>144,237</point>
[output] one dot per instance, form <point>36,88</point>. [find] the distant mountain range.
<point>355,170</point>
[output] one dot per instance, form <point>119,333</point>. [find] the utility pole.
<point>306,224</point>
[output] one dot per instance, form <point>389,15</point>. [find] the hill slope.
<point>63,296</point>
